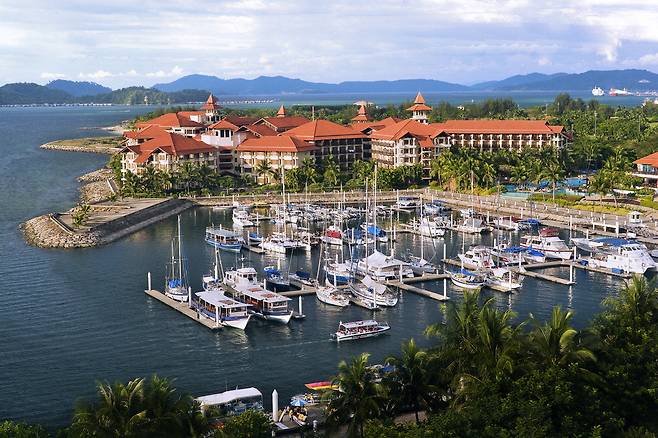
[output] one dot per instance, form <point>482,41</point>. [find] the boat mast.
<point>422,242</point>
<point>180,255</point>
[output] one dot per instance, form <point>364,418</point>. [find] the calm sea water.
<point>70,318</point>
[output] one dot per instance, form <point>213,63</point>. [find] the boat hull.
<point>355,336</point>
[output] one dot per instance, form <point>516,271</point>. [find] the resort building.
<point>211,110</point>
<point>282,122</point>
<point>166,152</point>
<point>420,110</point>
<point>344,143</point>
<point>175,123</point>
<point>513,135</point>
<point>361,116</point>
<point>407,143</point>
<point>647,169</point>
<point>277,152</point>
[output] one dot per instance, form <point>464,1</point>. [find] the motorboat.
<point>616,254</point>
<point>548,241</point>
<point>244,275</point>
<point>255,239</point>
<point>226,240</point>
<point>241,218</point>
<point>505,254</point>
<point>348,331</point>
<point>466,279</point>
<point>176,284</point>
<point>332,236</point>
<point>509,223</point>
<point>376,232</point>
<point>472,225</point>
<point>435,207</point>
<point>477,257</point>
<point>332,296</point>
<point>304,278</point>
<point>503,280</point>
<point>534,256</point>
<point>224,311</point>
<point>407,202</point>
<point>430,228</point>
<point>275,280</point>
<point>338,273</point>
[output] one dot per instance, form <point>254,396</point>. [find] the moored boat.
<point>466,279</point>
<point>176,284</point>
<point>332,296</point>
<point>241,218</point>
<point>548,242</point>
<point>503,280</point>
<point>226,240</point>
<point>265,304</point>
<point>225,311</point>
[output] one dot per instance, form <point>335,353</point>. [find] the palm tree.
<point>188,174</point>
<point>555,173</point>
<point>263,168</point>
<point>307,168</point>
<point>358,397</point>
<point>331,171</point>
<point>495,342</point>
<point>555,342</point>
<point>638,300</point>
<point>205,175</point>
<point>120,412</point>
<point>410,378</point>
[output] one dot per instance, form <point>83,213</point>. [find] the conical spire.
<point>281,112</point>
<point>362,115</point>
<point>419,98</point>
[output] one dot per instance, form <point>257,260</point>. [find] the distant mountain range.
<point>194,88</point>
<point>78,89</point>
<point>29,94</point>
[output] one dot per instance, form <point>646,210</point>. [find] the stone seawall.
<point>71,146</point>
<point>47,231</point>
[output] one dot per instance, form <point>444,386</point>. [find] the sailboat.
<point>176,285</point>
<point>419,265</point>
<point>329,293</point>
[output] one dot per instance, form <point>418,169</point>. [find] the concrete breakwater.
<point>108,222</point>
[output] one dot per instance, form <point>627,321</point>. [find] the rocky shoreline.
<point>98,145</point>
<point>50,231</point>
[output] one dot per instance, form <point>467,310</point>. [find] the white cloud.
<point>651,59</point>
<point>51,76</point>
<point>98,74</point>
<point>544,61</point>
<point>176,71</point>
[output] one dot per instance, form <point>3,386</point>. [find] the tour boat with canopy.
<point>226,240</point>
<point>348,331</point>
<point>225,311</point>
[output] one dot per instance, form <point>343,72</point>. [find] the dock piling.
<point>300,305</point>
<point>275,406</point>
<point>445,287</point>
<point>148,276</point>
<point>189,296</point>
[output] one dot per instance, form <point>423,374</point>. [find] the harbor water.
<point>71,318</point>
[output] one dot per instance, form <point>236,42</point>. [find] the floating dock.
<point>528,270</point>
<point>182,308</point>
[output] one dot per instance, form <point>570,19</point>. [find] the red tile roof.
<point>275,143</point>
<point>188,114</point>
<point>362,115</point>
<point>375,125</point>
<point>286,122</point>
<point>211,104</point>
<point>498,127</point>
<point>400,129</point>
<point>150,131</point>
<point>172,144</point>
<point>651,160</point>
<point>419,104</point>
<point>281,112</point>
<point>223,124</point>
<point>240,120</point>
<point>259,130</point>
<point>323,130</point>
<point>170,120</point>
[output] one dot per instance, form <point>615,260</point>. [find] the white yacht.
<point>332,296</point>
<point>616,254</point>
<point>505,254</point>
<point>549,243</point>
<point>430,228</point>
<point>472,225</point>
<point>369,290</point>
<point>466,279</point>
<point>241,218</point>
<point>477,257</point>
<point>332,236</point>
<point>407,202</point>
<point>503,280</point>
<point>176,284</point>
<point>382,267</point>
<point>245,274</point>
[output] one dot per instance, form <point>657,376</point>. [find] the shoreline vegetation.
<point>487,374</point>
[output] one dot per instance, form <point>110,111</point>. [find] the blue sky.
<point>122,42</point>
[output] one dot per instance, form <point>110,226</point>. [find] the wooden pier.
<point>406,285</point>
<point>182,308</point>
<point>528,270</point>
